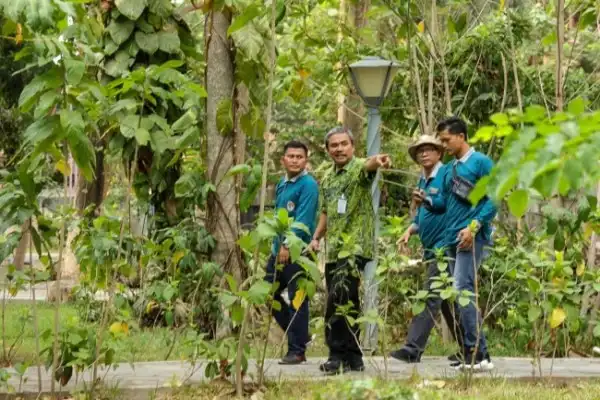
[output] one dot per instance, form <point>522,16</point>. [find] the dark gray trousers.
<point>422,324</point>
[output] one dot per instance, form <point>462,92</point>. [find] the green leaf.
<point>258,292</point>
<point>147,42</point>
<point>132,9</point>
<point>162,8</point>
<point>464,301</point>
<point>500,119</point>
<point>169,42</point>
<point>142,136</point>
<point>72,122</point>
<point>597,330</point>
<point>120,30</point>
<point>238,169</point>
<point>184,122</point>
<point>129,125</point>
<point>74,71</point>
<point>160,141</point>
<point>119,64</point>
<point>518,201</point>
<point>169,317</point>
<point>46,103</point>
<point>224,117</point>
<point>32,91</point>
<point>549,39</point>
<point>577,106</point>
<point>559,240</point>
<point>534,313</point>
<point>242,20</point>
<point>418,307</point>
<point>41,130</point>
<point>237,313</point>
<point>480,190</point>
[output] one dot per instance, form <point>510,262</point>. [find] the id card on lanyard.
<point>342,204</point>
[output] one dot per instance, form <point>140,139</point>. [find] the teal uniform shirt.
<point>431,224</point>
<point>459,214</point>
<point>300,197</point>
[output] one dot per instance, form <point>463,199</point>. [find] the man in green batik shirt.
<point>346,210</point>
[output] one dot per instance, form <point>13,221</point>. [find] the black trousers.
<point>343,284</point>
<point>295,322</point>
<point>422,324</point>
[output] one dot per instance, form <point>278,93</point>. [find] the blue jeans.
<point>463,264</point>
<point>295,322</point>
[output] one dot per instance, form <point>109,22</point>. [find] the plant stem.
<point>35,314</point>
<point>263,194</point>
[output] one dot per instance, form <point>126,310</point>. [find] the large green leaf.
<point>147,42</point>
<point>142,136</point>
<point>132,9</point>
<point>120,30</point>
<point>129,125</point>
<point>36,13</point>
<point>74,71</point>
<point>244,18</point>
<point>160,141</point>
<point>187,120</point>
<point>518,201</point>
<point>72,122</point>
<point>46,103</point>
<point>162,8</point>
<point>169,42</point>
<point>119,65</point>
<point>50,80</point>
<point>41,130</point>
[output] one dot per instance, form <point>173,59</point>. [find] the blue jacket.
<point>431,223</point>
<point>472,166</point>
<point>300,197</point>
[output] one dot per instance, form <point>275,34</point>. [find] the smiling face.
<point>294,161</point>
<point>428,156</point>
<point>340,148</point>
<point>453,143</point>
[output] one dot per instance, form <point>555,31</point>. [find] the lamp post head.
<point>372,77</point>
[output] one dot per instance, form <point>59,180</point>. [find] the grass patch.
<point>482,389</point>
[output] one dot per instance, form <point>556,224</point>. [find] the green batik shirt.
<point>352,184</point>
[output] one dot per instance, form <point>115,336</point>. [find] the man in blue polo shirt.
<point>468,231</point>
<point>298,193</point>
<point>430,226</point>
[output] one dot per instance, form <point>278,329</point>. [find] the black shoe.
<point>482,362</point>
<point>406,356</point>
<point>332,366</point>
<point>354,364</point>
<point>293,359</point>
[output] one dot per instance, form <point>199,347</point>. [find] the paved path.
<point>143,378</point>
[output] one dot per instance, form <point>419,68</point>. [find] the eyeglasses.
<point>424,150</point>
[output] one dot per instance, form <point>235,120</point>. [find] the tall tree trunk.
<point>354,111</point>
<point>223,209</point>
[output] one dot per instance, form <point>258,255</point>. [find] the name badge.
<point>341,205</point>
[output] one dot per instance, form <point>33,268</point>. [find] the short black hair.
<point>454,126</point>
<point>295,144</point>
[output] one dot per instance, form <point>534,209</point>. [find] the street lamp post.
<point>372,78</point>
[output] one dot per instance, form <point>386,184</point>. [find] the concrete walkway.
<point>141,379</point>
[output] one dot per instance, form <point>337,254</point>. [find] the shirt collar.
<point>434,172</point>
<point>345,167</point>
<point>464,158</point>
<point>295,178</point>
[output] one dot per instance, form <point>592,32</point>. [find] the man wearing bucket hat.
<point>430,226</point>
